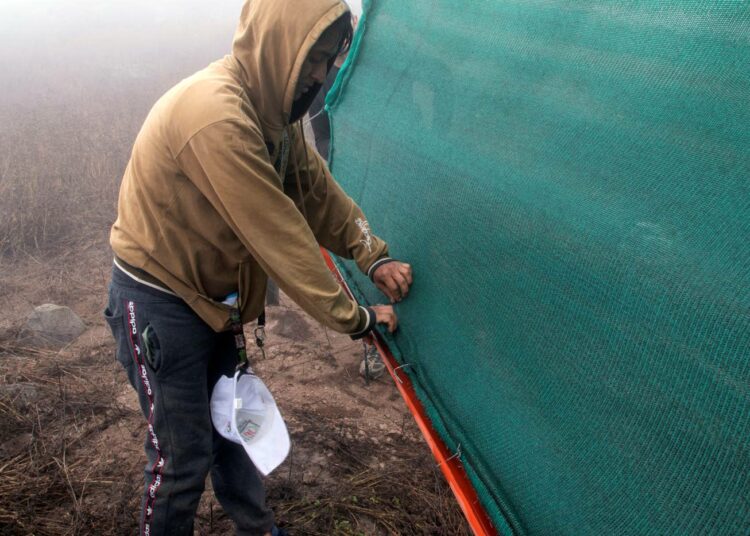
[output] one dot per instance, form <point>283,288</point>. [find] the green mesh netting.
<point>571,182</point>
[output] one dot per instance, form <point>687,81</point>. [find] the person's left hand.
<point>393,279</point>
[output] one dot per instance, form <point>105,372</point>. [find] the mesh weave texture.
<point>571,182</point>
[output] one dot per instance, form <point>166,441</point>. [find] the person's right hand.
<point>393,279</point>
<point>384,314</point>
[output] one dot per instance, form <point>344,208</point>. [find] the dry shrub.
<point>60,167</point>
<point>36,213</point>
<point>41,211</point>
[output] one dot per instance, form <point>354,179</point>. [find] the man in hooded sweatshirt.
<point>221,191</point>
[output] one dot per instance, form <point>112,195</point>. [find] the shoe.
<point>373,368</point>
<point>276,531</point>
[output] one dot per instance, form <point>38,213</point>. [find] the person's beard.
<point>302,103</point>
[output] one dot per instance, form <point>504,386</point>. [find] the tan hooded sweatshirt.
<point>203,208</point>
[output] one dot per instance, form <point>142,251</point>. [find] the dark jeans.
<point>173,359</point>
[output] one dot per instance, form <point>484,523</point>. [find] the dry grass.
<point>48,472</point>
<point>38,213</point>
<point>375,488</point>
<point>61,479</point>
<point>42,211</point>
<point>61,161</point>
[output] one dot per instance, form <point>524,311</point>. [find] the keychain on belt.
<point>240,343</point>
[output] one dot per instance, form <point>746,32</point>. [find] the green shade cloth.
<point>571,183</point>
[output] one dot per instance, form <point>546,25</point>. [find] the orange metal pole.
<point>450,465</point>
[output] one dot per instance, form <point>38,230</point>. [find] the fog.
<point>77,78</point>
<point>53,48</point>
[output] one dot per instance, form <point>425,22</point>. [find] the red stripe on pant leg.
<point>158,468</point>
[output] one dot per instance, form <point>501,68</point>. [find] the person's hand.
<point>384,314</point>
<point>393,279</point>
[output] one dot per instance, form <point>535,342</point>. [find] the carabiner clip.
<point>260,339</point>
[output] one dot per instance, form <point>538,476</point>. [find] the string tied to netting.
<point>456,455</point>
<point>395,372</point>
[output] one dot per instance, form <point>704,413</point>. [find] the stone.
<point>6,334</point>
<point>15,445</point>
<point>21,394</point>
<point>52,325</point>
<point>309,478</point>
<point>318,460</point>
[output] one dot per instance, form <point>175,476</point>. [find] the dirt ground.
<point>71,434</point>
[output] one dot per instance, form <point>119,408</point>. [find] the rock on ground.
<point>22,394</point>
<point>52,325</point>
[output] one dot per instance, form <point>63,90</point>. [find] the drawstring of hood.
<point>296,175</point>
<point>301,127</point>
<point>307,161</point>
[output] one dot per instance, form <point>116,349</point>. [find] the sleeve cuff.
<point>369,324</point>
<point>377,264</point>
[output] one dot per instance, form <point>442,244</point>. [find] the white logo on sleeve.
<point>366,234</point>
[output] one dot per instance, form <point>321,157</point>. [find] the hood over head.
<point>271,43</point>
